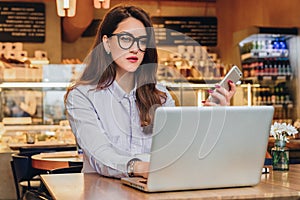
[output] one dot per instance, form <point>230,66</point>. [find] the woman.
<point>111,107</point>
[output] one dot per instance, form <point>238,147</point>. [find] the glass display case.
<point>267,59</point>
<point>42,102</point>
<point>32,102</point>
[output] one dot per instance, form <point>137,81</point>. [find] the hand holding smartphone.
<point>234,75</point>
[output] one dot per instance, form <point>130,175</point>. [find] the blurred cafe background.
<point>43,44</point>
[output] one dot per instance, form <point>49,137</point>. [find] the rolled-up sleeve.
<point>91,137</point>
<point>169,101</point>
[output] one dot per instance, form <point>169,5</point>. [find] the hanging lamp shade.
<point>66,8</point>
<point>102,4</point>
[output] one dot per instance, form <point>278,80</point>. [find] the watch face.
<point>130,168</point>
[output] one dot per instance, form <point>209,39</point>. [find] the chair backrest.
<point>22,171</point>
<point>71,169</point>
<point>22,167</point>
<point>15,179</point>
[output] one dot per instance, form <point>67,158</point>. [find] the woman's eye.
<point>126,38</point>
<point>143,41</point>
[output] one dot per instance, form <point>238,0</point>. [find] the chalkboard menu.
<point>185,30</point>
<point>22,22</point>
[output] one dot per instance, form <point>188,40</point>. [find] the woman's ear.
<point>105,41</point>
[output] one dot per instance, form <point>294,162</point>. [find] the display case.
<point>42,102</point>
<point>31,102</point>
<point>267,60</point>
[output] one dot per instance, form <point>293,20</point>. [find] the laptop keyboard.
<point>144,181</point>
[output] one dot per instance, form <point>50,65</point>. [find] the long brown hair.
<point>101,69</point>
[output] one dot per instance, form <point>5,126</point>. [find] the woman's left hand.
<point>141,169</point>
<point>222,95</point>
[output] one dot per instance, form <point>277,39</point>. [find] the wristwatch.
<point>130,167</point>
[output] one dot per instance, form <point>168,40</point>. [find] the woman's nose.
<point>135,47</point>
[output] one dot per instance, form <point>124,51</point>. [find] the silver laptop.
<point>206,147</point>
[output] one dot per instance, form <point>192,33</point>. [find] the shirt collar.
<point>119,93</point>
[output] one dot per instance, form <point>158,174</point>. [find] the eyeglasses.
<point>126,40</point>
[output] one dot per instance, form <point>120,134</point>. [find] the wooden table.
<point>41,144</point>
<point>276,185</point>
<point>54,160</point>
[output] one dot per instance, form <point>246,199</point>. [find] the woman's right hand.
<point>222,95</point>
<point>141,169</point>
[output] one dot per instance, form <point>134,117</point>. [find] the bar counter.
<point>275,185</point>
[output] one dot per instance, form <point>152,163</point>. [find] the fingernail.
<point>210,91</point>
<point>203,101</point>
<point>217,86</point>
<point>230,81</point>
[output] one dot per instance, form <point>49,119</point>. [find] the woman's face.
<point>127,44</point>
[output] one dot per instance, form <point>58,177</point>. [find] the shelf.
<point>264,53</point>
<point>34,85</point>
<point>251,59</point>
<point>268,78</point>
<point>186,85</point>
<point>274,78</point>
<point>283,106</point>
<point>13,129</point>
<point>289,105</point>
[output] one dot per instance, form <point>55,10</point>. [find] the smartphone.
<point>234,75</point>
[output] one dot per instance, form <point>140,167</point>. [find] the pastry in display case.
<point>190,63</point>
<point>38,102</point>
<point>16,65</point>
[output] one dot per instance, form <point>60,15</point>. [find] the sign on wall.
<point>22,22</point>
<point>185,30</point>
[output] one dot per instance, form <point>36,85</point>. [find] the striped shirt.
<point>106,125</point>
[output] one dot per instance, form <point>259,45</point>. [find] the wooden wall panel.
<point>236,15</point>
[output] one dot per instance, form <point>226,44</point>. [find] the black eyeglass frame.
<point>135,39</point>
